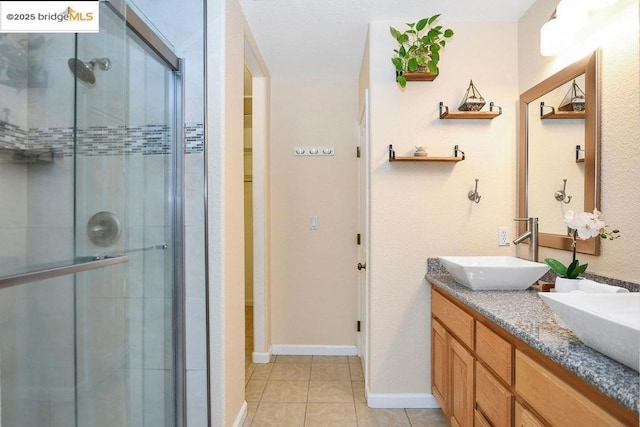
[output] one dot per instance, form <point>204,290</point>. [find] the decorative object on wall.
<point>420,151</point>
<point>473,195</point>
<point>418,53</point>
<point>473,100</point>
<point>574,100</point>
<point>555,114</point>
<point>561,195</point>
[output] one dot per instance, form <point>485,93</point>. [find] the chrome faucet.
<point>531,233</point>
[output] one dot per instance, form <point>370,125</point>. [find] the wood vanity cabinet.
<point>484,376</point>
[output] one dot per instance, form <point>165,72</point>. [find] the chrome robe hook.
<point>473,195</point>
<point>561,195</point>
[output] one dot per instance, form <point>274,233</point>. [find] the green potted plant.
<point>419,48</point>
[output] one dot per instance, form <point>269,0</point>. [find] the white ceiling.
<point>327,37</point>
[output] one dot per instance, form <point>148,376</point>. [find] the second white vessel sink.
<point>493,272</point>
<point>608,323</point>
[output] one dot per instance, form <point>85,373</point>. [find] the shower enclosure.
<point>91,264</point>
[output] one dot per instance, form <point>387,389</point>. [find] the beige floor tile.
<point>330,392</point>
<point>293,359</point>
<point>249,368</point>
<point>330,359</point>
<point>286,391</point>
<point>279,415</point>
<point>251,412</point>
<point>331,414</point>
<point>254,390</point>
<point>290,371</point>
<point>261,371</point>
<point>370,417</point>
<point>330,372</point>
<point>358,392</point>
<point>356,372</point>
<point>427,418</point>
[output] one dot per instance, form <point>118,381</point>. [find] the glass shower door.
<point>89,183</point>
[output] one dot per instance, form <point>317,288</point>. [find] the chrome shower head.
<point>85,71</point>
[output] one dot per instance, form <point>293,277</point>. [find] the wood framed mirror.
<point>555,145</point>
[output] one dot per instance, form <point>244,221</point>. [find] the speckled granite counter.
<point>524,315</point>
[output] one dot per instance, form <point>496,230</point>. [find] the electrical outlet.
<point>503,236</point>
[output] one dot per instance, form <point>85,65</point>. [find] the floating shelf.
<point>418,77</point>
<point>491,114</point>
<point>553,114</point>
<point>455,158</point>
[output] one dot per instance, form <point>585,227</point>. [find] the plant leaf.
<point>395,33</point>
<point>411,24</point>
<point>403,38</point>
<point>433,67</point>
<point>433,18</point>
<point>412,65</point>
<point>402,81</point>
<point>421,24</point>
<point>443,43</point>
<point>556,266</point>
<point>402,52</point>
<point>448,33</point>
<point>397,62</point>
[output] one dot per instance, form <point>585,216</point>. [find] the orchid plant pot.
<point>564,284</point>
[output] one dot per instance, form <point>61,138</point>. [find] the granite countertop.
<point>524,315</point>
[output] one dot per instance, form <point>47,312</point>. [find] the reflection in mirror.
<point>556,146</point>
<point>552,160</point>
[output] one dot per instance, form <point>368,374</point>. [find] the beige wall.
<point>615,30</point>
<point>313,272</point>
<point>226,29</point>
<point>421,210</point>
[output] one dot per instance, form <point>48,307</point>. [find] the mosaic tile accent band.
<point>101,140</point>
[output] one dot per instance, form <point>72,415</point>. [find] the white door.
<point>363,232</point>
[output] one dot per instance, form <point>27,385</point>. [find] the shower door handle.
<point>362,266</point>
<point>80,265</point>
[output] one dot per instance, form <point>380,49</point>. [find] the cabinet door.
<point>461,395</point>
<point>439,368</point>
<point>525,418</point>
<point>492,398</point>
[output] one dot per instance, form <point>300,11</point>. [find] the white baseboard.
<point>242,415</point>
<point>261,357</point>
<point>401,400</point>
<point>315,350</point>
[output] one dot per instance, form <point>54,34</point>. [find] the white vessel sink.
<point>493,272</point>
<point>608,323</point>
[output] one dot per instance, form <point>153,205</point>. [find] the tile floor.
<point>318,391</point>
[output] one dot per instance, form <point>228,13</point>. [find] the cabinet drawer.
<point>492,398</point>
<point>458,322</point>
<point>525,418</point>
<point>555,400</point>
<point>494,351</point>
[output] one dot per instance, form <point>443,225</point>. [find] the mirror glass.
<point>559,140</point>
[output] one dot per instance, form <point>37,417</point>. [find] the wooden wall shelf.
<point>553,114</point>
<point>454,159</point>
<point>491,114</point>
<point>418,77</point>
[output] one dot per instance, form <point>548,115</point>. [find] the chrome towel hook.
<point>473,195</point>
<point>561,195</point>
